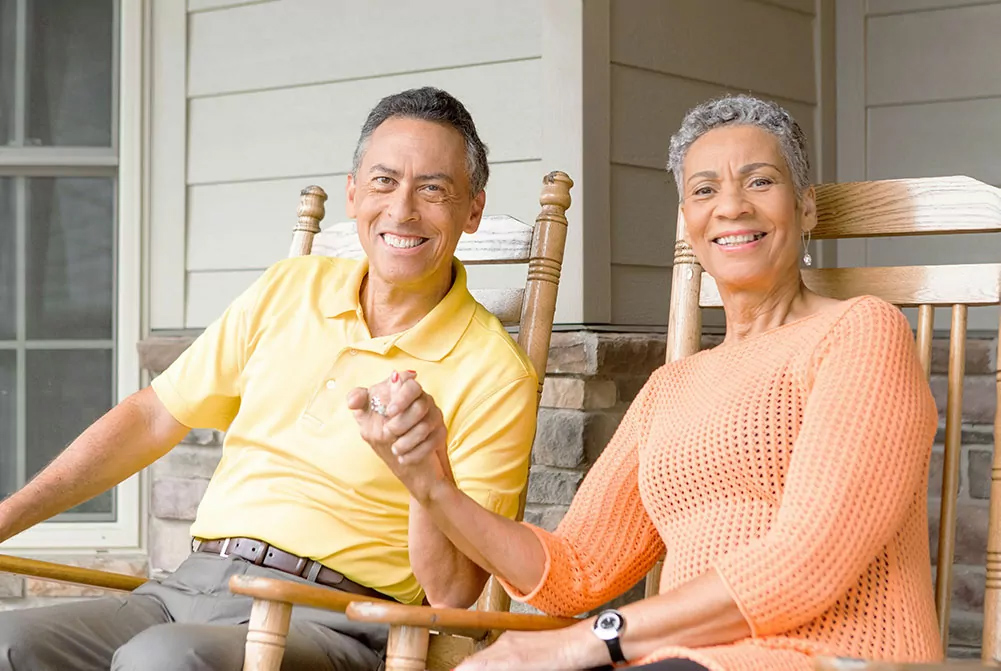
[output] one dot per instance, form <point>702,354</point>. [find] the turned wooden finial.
<point>556,190</point>
<point>307,225</point>
<point>311,210</point>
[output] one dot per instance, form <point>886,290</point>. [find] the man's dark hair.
<point>429,104</point>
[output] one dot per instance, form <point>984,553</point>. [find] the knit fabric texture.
<point>794,463</point>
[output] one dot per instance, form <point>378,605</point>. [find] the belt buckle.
<point>225,546</point>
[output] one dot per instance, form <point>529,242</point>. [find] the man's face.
<point>411,199</point>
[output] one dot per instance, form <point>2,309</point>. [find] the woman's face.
<point>742,216</point>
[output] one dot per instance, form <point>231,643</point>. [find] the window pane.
<point>70,46</point>
<point>8,415</point>
<point>8,304</point>
<point>66,391</point>
<point>70,259</point>
<point>8,48</point>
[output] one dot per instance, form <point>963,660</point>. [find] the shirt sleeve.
<point>858,464</point>
<point>606,542</point>
<point>490,451</point>
<point>202,388</point>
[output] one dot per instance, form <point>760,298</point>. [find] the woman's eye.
<point>703,191</point>
<point>760,181</point>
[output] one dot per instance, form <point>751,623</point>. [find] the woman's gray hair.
<point>742,110</point>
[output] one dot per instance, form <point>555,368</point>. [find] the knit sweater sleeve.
<point>606,542</point>
<point>859,462</point>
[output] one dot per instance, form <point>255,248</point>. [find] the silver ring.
<point>376,406</point>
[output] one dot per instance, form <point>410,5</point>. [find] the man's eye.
<point>434,188</point>
<point>383,180</point>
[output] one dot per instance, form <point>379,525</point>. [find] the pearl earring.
<point>807,259</point>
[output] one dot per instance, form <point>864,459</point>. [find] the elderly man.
<point>314,372</point>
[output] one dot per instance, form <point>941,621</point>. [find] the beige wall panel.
<point>312,130</point>
<point>640,295</point>
<point>210,5</point>
<point>210,292</point>
<point>954,138</point>
<point>677,37</point>
<point>647,108</point>
<point>901,6</point>
<point>249,224</point>
<point>934,55</point>
<point>644,214</point>
<point>279,44</point>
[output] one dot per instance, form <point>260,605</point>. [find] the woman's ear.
<point>808,209</point>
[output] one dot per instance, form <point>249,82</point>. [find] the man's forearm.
<point>450,578</point>
<point>131,436</point>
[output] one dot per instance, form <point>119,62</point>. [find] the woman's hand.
<point>404,426</point>
<point>569,649</point>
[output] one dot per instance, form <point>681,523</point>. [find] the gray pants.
<point>189,622</point>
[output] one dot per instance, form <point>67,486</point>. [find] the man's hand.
<point>410,437</point>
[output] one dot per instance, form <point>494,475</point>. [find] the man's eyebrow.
<point>378,167</point>
<point>711,174</point>
<point>751,167</point>
<point>436,177</point>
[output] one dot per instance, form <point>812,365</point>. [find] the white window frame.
<point>130,66</point>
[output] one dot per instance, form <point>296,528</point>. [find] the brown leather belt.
<point>260,553</point>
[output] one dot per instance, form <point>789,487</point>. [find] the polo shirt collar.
<point>430,339</point>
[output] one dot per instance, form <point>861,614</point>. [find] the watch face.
<point>608,625</point>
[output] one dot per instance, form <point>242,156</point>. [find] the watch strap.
<point>615,650</point>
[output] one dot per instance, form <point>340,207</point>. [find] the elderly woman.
<point>783,472</point>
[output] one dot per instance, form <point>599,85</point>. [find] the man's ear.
<point>349,202</point>
<point>475,213</point>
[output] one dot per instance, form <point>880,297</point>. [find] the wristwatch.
<point>608,626</point>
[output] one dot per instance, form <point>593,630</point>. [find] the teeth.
<point>728,240</point>
<point>400,242</point>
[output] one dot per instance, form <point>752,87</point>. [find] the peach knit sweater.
<point>794,463</point>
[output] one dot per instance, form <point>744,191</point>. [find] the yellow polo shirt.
<point>274,373</point>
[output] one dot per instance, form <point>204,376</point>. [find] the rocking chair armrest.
<point>287,591</point>
<point>846,664</point>
<point>36,568</point>
<point>470,623</point>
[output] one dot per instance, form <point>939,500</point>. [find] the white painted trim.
<point>124,533</point>
<point>168,164</point>
<point>576,138</point>
<point>852,113</point>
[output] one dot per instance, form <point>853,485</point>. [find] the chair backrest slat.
<point>940,205</point>
<point>500,239</point>
<point>905,286</point>
<point>931,205</point>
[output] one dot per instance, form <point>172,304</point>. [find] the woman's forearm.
<point>500,546</point>
<point>699,613</point>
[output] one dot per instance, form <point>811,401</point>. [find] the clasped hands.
<point>404,426</point>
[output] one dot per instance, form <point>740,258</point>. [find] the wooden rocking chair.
<point>499,240</point>
<point>854,210</point>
